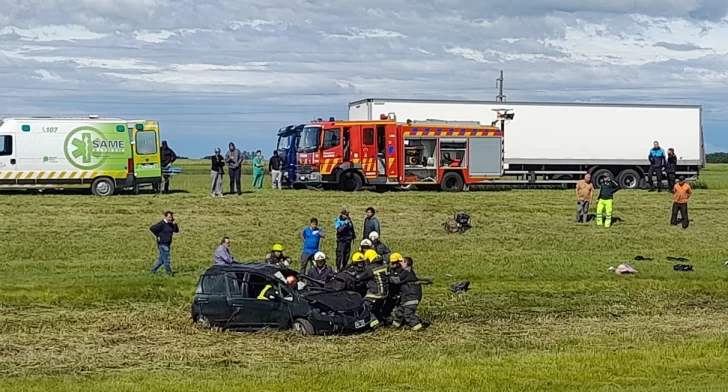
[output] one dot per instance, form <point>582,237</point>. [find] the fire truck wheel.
<point>452,182</point>
<point>351,181</point>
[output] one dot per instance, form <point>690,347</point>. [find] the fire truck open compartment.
<point>420,161</point>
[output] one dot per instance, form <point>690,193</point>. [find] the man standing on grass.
<point>682,191</point>
<point>164,231</point>
<point>258,170</point>
<point>275,167</point>
<point>607,188</point>
<point>584,196</point>
<point>344,237</point>
<point>234,159</point>
<point>371,223</point>
<point>657,163</point>
<point>312,236</point>
<point>671,169</point>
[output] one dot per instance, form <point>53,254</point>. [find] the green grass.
<point>78,311</point>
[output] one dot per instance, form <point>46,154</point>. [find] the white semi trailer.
<point>558,143</point>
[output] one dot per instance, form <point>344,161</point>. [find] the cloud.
<point>247,68</point>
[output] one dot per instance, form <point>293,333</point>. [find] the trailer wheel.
<point>103,187</point>
<point>629,179</point>
<point>452,182</point>
<point>599,173</point>
<point>351,181</point>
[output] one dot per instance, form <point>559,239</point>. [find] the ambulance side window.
<point>6,145</point>
<point>146,143</point>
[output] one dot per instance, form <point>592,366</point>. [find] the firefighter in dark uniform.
<point>277,258</point>
<point>394,285</point>
<point>377,282</point>
<point>410,294</point>
<point>346,279</point>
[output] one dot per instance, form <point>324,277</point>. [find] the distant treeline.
<point>717,157</point>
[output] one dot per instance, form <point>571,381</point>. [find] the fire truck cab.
<point>434,154</point>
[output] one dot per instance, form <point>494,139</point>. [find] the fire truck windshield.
<point>309,139</point>
<point>284,142</point>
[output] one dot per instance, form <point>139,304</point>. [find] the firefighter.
<point>277,258</point>
<point>365,245</point>
<point>375,276</point>
<point>410,294</point>
<point>345,280</point>
<point>379,246</point>
<point>394,286</point>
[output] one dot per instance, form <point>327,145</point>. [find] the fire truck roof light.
<point>331,119</point>
<point>383,117</point>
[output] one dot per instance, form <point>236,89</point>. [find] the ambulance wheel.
<point>351,181</point>
<point>103,187</point>
<point>452,182</point>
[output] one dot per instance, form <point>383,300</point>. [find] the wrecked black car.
<point>253,296</point>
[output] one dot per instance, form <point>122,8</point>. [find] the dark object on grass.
<point>682,267</point>
<point>672,258</point>
<point>642,258</point>
<point>459,224</point>
<point>460,287</point>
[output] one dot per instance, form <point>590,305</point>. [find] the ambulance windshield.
<point>309,138</point>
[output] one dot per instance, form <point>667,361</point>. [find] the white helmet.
<point>373,236</point>
<point>365,242</point>
<point>319,256</point>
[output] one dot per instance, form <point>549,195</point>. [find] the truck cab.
<point>288,138</point>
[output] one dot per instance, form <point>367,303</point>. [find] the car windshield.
<point>309,139</point>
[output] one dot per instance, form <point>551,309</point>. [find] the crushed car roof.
<point>261,268</point>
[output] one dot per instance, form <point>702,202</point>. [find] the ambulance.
<point>103,154</point>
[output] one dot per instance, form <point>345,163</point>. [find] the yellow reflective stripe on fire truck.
<point>329,164</point>
<point>60,175</point>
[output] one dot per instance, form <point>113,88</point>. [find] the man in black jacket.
<point>168,158</point>
<point>275,167</point>
<point>164,231</point>
<point>344,236</point>
<point>671,169</point>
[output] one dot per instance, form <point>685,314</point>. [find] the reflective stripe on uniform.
<point>262,293</point>
<point>410,303</point>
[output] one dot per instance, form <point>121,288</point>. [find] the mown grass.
<point>79,313</point>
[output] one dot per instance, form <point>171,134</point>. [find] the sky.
<point>215,71</point>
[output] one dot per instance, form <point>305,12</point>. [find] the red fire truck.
<point>349,155</point>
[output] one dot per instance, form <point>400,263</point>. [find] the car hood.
<point>338,301</point>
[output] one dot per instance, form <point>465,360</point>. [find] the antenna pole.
<point>499,83</point>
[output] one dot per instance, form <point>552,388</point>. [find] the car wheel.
<point>304,327</point>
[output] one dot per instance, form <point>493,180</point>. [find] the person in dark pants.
<point>344,237</point>
<point>671,169</point>
<point>410,293</point>
<point>376,278</point>
<point>234,159</point>
<point>682,193</point>
<point>312,236</point>
<point>657,164</point>
<point>164,231</point>
<point>168,158</point>
<point>371,223</point>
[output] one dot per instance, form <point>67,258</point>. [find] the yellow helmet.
<point>371,255</point>
<point>395,258</point>
<point>357,257</point>
<point>277,248</point>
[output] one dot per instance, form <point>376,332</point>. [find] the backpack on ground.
<point>459,224</point>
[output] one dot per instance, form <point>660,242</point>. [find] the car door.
<point>253,313</point>
<point>211,299</point>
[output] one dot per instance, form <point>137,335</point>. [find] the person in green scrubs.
<point>258,170</point>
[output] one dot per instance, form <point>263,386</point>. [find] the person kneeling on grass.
<point>410,292</point>
<point>607,189</point>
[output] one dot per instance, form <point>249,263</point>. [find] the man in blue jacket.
<point>164,231</point>
<point>657,163</point>
<point>312,236</point>
<point>344,236</point>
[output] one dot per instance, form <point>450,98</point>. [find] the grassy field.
<point>78,311</point>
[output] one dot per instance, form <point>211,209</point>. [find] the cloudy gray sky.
<point>213,71</point>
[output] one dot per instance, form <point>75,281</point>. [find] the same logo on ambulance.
<point>86,148</point>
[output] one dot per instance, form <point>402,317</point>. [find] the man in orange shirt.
<point>682,193</point>
<point>584,196</point>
